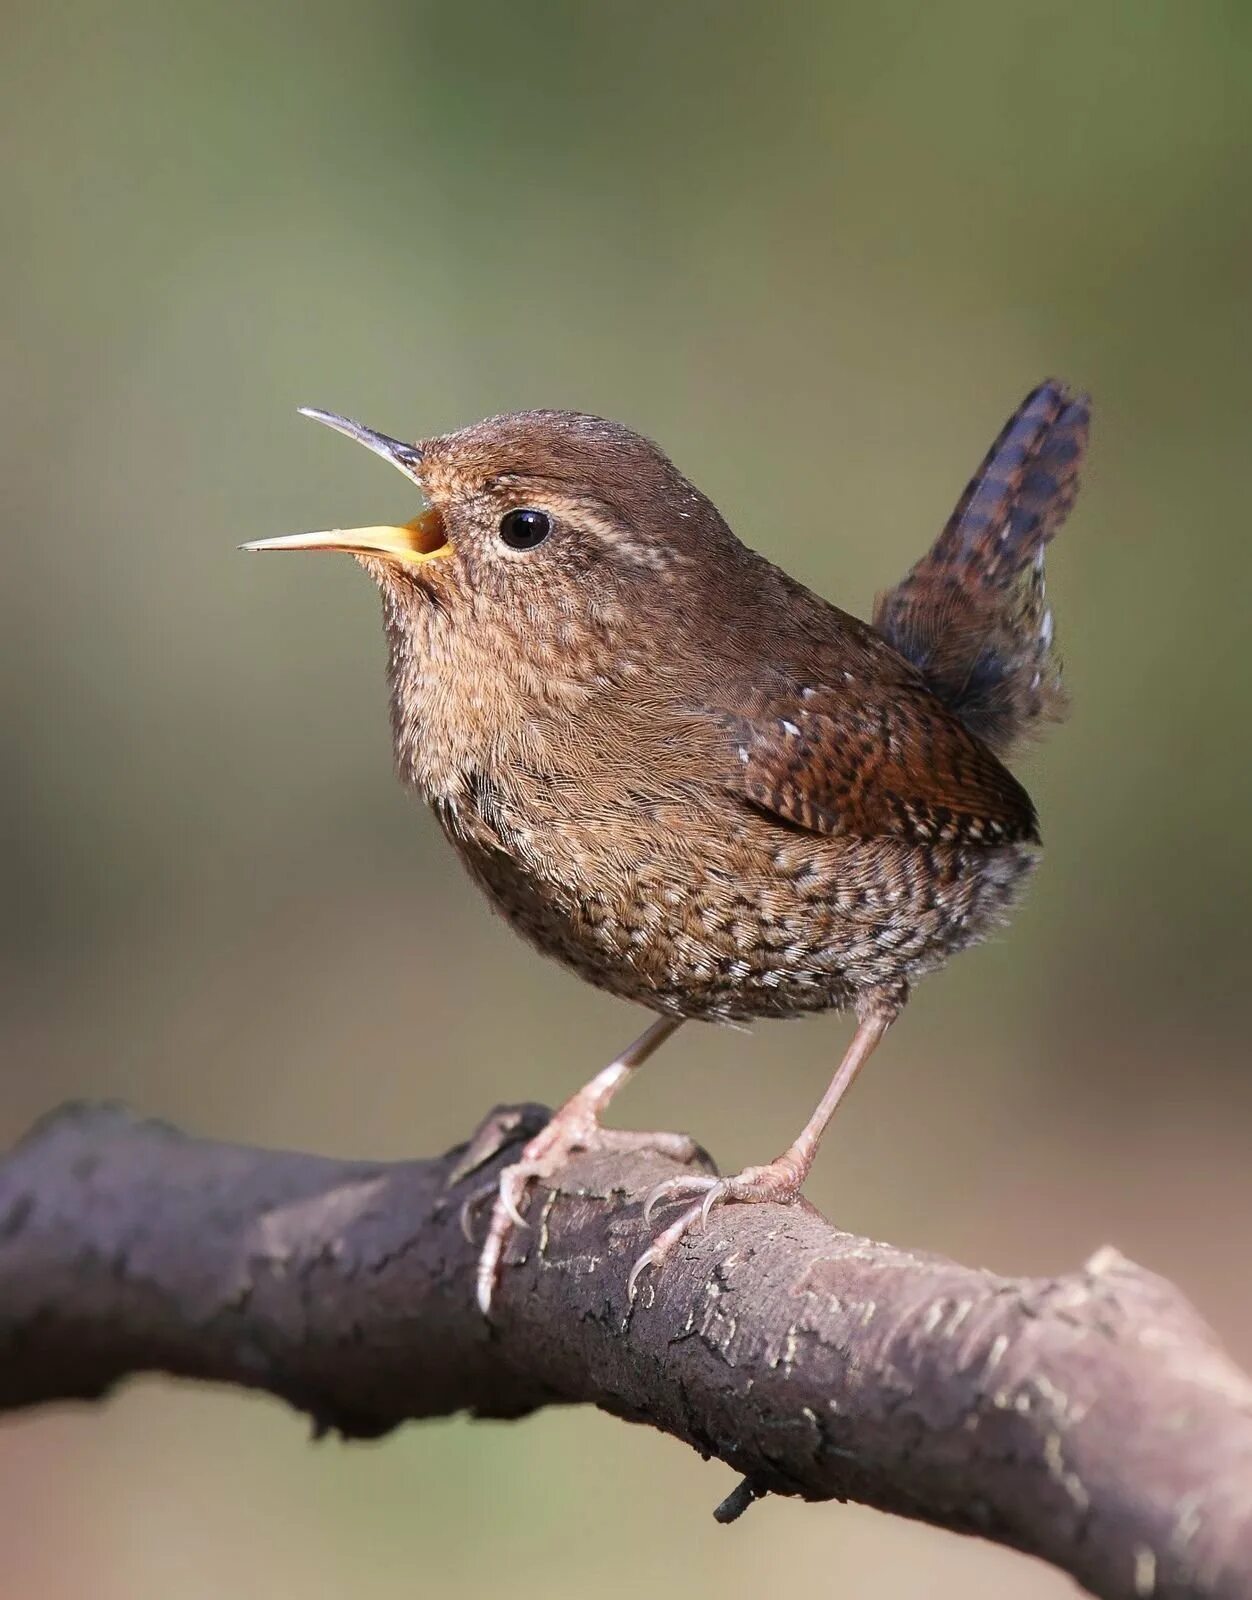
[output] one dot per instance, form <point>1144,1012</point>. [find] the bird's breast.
<point>471,719</point>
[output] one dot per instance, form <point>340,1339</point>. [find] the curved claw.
<point>658,1251</point>
<point>716,1194</point>
<point>510,1185</point>
<point>653,1199</point>
<point>678,1188</point>
<point>645,1260</point>
<point>502,1191</point>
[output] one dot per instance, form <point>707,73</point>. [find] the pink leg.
<point>574,1126</point>
<point>780,1180</point>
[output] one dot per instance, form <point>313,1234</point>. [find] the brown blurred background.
<point>819,252</point>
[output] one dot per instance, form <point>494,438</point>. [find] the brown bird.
<point>683,774</point>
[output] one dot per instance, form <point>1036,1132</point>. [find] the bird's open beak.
<point>423,539</point>
<point>420,540</point>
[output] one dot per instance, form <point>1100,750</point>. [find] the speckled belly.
<point>777,925</point>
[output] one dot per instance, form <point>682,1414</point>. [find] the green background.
<point>819,252</point>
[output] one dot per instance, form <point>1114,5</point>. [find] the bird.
<point>689,778</point>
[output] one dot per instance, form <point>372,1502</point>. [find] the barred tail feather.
<point>972,615</point>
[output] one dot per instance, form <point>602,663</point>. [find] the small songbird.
<point>683,774</point>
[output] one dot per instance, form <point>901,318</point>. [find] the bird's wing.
<point>868,759</point>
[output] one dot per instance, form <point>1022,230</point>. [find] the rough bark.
<point>1090,1419</point>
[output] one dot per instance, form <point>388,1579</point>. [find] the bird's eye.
<point>525,528</point>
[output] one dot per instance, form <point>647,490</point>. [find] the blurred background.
<point>819,252</point>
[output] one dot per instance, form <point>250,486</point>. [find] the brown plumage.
<point>972,614</point>
<point>686,776</point>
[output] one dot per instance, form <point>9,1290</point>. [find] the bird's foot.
<point>777,1182</point>
<point>572,1128</point>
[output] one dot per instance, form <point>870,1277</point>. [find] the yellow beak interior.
<point>423,539</point>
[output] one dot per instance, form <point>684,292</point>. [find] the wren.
<point>683,774</point>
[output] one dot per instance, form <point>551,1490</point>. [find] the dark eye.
<point>525,528</point>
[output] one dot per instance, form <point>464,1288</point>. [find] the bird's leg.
<point>780,1180</point>
<point>574,1126</point>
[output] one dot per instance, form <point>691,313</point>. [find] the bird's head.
<point>555,531</point>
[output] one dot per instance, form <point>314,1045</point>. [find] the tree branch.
<point>1090,1419</point>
